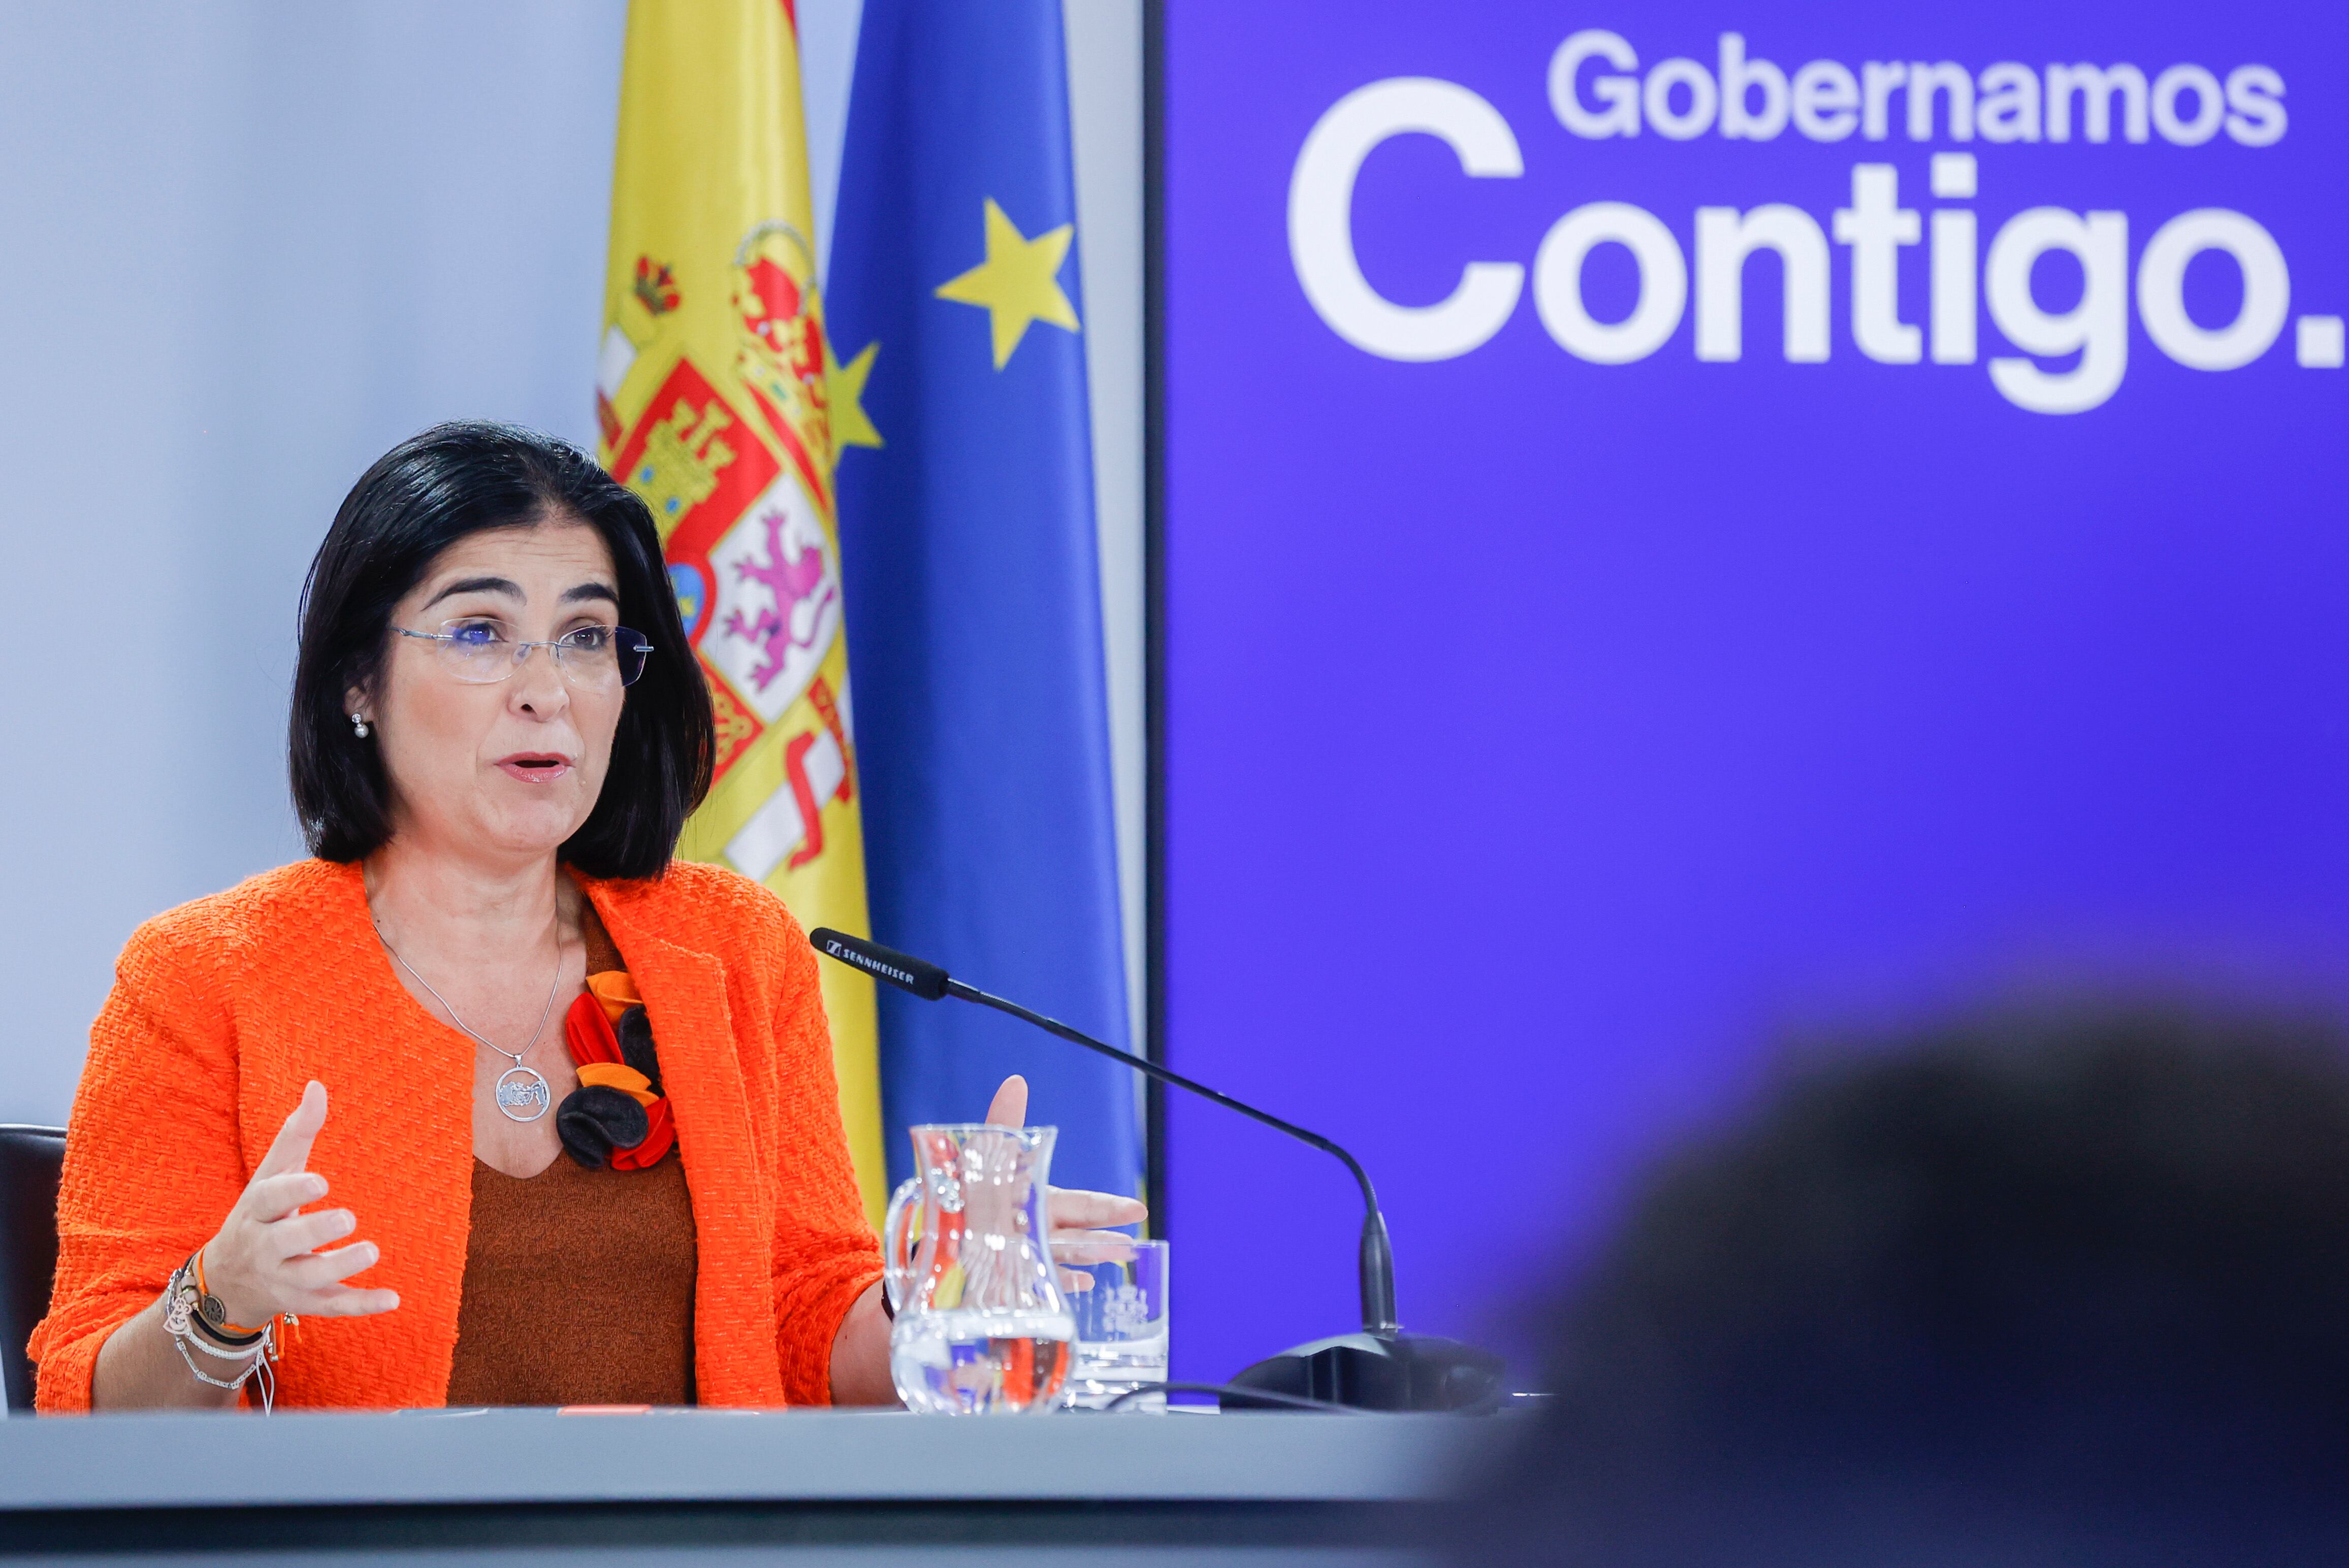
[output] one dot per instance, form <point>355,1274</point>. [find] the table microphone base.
<point>1378,1372</point>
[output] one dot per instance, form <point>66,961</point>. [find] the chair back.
<point>31,1160</point>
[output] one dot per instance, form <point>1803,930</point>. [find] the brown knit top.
<point>578,1285</point>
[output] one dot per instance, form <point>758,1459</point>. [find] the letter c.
<point>1321,217</point>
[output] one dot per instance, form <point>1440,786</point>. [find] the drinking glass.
<point>1121,1321</point>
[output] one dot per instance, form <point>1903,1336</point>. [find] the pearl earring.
<point>358,726</point>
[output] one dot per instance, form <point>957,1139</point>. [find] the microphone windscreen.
<point>903,970</point>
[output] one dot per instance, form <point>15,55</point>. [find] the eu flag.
<point>980,712</point>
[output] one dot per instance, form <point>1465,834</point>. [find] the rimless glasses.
<point>591,658</point>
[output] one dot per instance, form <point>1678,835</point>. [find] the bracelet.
<point>260,1365</point>
<point>189,1308</point>
<point>187,1302</point>
<point>201,1342</point>
<point>184,1320</point>
<point>212,1336</point>
<point>214,1312</point>
<point>238,1381</point>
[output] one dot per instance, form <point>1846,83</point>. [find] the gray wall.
<point>247,246</point>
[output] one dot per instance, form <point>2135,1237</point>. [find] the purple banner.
<point>1698,521</point>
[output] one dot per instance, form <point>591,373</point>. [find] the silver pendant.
<point>523,1094</point>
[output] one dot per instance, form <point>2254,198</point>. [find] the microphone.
<point>1380,1368</point>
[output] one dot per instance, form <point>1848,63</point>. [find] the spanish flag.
<point>713,391</point>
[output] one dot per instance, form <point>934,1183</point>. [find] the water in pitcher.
<point>982,1327</point>
<point>978,1363</point>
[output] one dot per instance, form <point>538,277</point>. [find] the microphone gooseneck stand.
<point>1380,1368</point>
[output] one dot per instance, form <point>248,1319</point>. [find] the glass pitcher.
<point>981,1325</point>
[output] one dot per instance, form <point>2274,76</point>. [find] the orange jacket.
<point>224,1009</point>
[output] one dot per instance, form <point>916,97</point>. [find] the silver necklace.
<point>523,1092</point>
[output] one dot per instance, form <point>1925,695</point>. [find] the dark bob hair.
<point>423,496</point>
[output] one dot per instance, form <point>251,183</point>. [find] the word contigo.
<point>1593,94</point>
<point>1875,227</point>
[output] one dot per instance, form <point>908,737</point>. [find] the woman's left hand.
<point>1078,1217</point>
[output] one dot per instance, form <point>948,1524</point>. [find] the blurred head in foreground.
<point>2063,1288</point>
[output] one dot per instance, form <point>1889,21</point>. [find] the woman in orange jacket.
<point>492,963</point>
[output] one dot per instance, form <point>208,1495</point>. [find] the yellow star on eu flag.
<point>1018,282</point>
<point>851,426</point>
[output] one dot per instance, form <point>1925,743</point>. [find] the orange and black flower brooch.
<point>617,1116</point>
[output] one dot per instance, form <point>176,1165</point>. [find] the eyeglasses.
<point>593,658</point>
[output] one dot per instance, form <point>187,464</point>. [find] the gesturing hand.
<point>265,1261</point>
<point>1077,1215</point>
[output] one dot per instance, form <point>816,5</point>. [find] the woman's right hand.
<point>265,1260</point>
